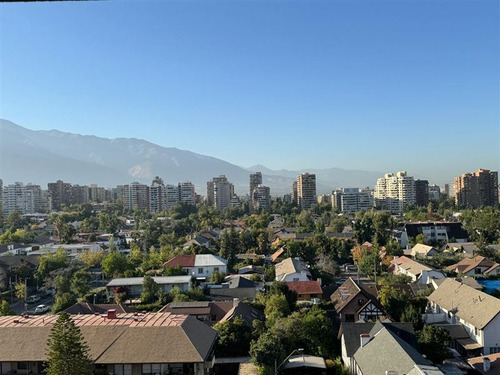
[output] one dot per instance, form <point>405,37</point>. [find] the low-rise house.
<point>423,251</point>
<point>90,308</point>
<point>477,266</point>
<point>434,231</point>
<point>479,313</point>
<point>71,250</point>
<point>292,269</point>
<point>8,263</point>
<point>467,249</point>
<point>306,290</point>
<point>354,301</point>
<point>486,365</point>
<point>419,273</point>
<point>201,266</point>
<point>349,335</point>
<point>208,312</point>
<point>234,286</point>
<point>384,352</point>
<point>153,343</point>
<point>133,285</point>
<point>207,239</point>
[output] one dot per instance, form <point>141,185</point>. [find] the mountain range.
<point>44,156</point>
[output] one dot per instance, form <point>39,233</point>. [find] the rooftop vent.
<point>111,314</point>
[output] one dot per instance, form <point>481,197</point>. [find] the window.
<point>349,318</point>
<point>216,269</point>
<point>477,271</point>
<point>200,270</point>
<point>22,365</point>
<point>361,302</point>
<point>146,369</point>
<point>494,349</point>
<point>295,279</point>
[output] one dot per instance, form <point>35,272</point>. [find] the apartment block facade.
<point>473,190</point>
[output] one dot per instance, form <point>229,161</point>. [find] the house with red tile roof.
<point>306,290</point>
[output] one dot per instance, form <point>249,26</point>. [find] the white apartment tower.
<point>306,190</point>
<point>393,192</point>
<point>136,196</point>
<point>186,192</point>
<point>15,197</point>
<point>352,199</point>
<point>220,192</point>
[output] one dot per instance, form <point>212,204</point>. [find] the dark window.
<point>349,318</point>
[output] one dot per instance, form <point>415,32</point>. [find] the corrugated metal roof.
<point>203,260</point>
<point>158,279</point>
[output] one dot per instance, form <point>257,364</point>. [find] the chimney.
<point>319,281</point>
<point>364,338</point>
<point>486,364</point>
<point>236,302</point>
<point>111,314</point>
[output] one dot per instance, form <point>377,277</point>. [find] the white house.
<point>479,313</point>
<point>423,251</point>
<point>476,266</point>
<point>419,273</point>
<point>292,269</point>
<point>201,266</point>
<point>134,284</point>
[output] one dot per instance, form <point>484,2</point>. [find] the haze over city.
<point>376,86</point>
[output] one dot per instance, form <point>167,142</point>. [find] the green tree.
<point>433,342</point>
<point>276,307</point>
<point>150,290</point>
<point>280,287</point>
<point>20,291</point>
<point>80,282</point>
<point>67,351</point>
<point>63,301</point>
<point>50,262</point>
<point>108,222</point>
<point>267,350</point>
<point>483,225</point>
<point>115,264</point>
<point>5,309</point>
<point>217,277</point>
<point>393,301</point>
<point>234,338</point>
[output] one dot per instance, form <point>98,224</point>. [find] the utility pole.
<point>26,295</point>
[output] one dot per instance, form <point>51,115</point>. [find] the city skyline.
<point>379,87</point>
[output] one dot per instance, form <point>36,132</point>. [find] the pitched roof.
<point>477,363</point>
<point>349,290</point>
<point>16,260</point>
<point>305,287</point>
<point>120,340</point>
<point>492,268</point>
<point>468,264</point>
<point>236,281</point>
<point>185,260</point>
<point>89,308</point>
<point>453,229</point>
<point>469,304</point>
<point>218,309</point>
<point>204,260</point>
<point>373,358</point>
<point>277,253</point>
<point>421,249</point>
<point>246,312</point>
<point>228,294</point>
<point>291,265</point>
<point>410,265</point>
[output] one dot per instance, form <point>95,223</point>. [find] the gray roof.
<point>204,260</point>
<point>387,352</point>
<point>160,280</point>
<point>469,304</point>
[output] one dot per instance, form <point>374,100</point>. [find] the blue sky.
<point>373,85</point>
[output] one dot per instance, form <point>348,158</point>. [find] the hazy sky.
<point>373,85</point>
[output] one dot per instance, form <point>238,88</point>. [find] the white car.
<point>40,309</point>
<point>33,299</point>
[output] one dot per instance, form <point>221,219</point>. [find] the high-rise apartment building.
<point>421,193</point>
<point>16,197</point>
<point>255,180</point>
<point>97,194</point>
<point>294,197</point>
<point>393,192</point>
<point>157,195</point>
<point>187,193</point>
<point>306,190</point>
<point>172,195</point>
<point>79,194</point>
<point>476,189</point>
<point>136,196</point>
<point>261,198</point>
<point>434,191</point>
<point>219,192</point>
<point>41,199</point>
<point>352,199</point>
<point>60,193</point>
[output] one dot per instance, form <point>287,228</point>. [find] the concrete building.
<point>42,199</point>
<point>261,198</point>
<point>60,193</point>
<point>293,195</point>
<point>473,190</point>
<point>393,192</point>
<point>187,192</point>
<point>306,190</point>
<point>16,197</point>
<point>421,193</point>
<point>171,196</point>
<point>157,195</point>
<point>352,199</point>
<point>219,192</point>
<point>97,193</point>
<point>434,191</point>
<point>136,196</point>
<point>255,180</point>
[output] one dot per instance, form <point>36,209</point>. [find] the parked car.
<point>50,292</point>
<point>40,309</point>
<point>32,299</point>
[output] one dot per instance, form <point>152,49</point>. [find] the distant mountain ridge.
<point>44,156</point>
